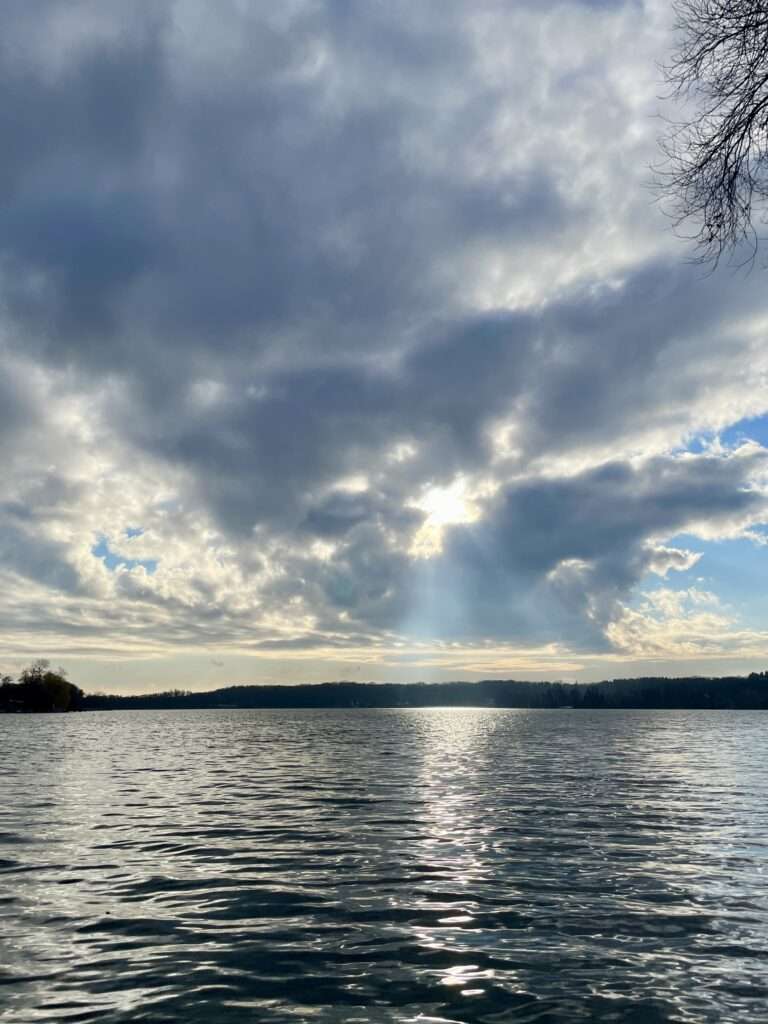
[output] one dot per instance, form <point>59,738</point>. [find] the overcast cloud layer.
<point>346,339</point>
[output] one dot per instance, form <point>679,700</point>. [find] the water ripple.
<point>435,866</point>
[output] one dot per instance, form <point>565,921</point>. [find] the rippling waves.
<point>415,865</point>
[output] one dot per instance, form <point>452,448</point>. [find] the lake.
<point>386,865</point>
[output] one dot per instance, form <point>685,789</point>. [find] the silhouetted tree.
<point>40,689</point>
<point>716,175</point>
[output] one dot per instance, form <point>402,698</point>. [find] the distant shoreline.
<point>652,692</point>
<point>691,692</point>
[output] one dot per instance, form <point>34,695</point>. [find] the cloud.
<point>555,557</point>
<point>679,625</point>
<point>273,280</point>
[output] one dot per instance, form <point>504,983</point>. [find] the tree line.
<point>651,692</point>
<point>39,689</point>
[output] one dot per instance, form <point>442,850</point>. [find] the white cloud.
<point>682,626</point>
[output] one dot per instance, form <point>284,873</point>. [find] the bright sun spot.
<point>444,506</point>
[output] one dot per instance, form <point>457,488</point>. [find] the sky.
<point>349,340</point>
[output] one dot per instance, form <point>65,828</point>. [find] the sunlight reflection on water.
<point>433,865</point>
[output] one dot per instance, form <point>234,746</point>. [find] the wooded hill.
<point>652,692</point>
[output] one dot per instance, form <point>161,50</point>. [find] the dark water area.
<point>395,865</point>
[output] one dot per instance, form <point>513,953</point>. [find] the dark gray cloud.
<point>556,555</point>
<point>268,276</point>
<point>263,451</point>
<point>44,562</point>
<point>548,558</point>
<point>151,200</point>
<point>573,376</point>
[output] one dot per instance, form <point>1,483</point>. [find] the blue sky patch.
<point>752,428</point>
<point>735,570</point>
<point>112,560</point>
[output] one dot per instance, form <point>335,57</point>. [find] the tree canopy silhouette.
<point>715,178</point>
<point>40,689</point>
<point>650,692</point>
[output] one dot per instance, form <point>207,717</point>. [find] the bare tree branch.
<point>714,180</point>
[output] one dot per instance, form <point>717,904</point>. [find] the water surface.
<point>386,866</point>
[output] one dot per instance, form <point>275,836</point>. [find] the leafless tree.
<point>714,180</point>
